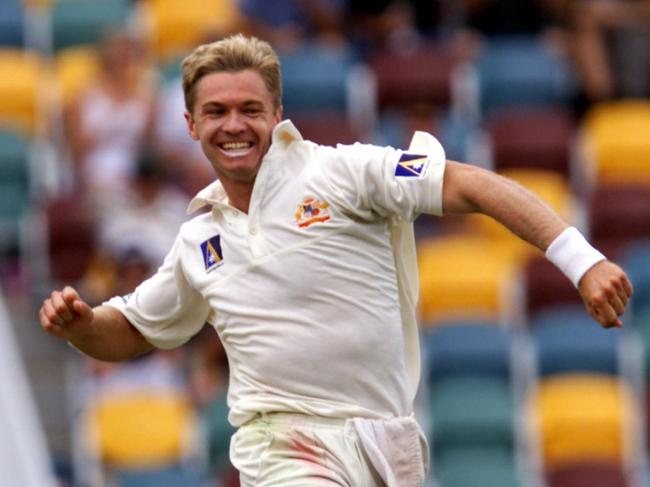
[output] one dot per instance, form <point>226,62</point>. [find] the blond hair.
<point>232,54</point>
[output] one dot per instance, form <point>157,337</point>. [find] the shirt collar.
<point>283,135</point>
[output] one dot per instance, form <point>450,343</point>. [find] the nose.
<point>234,122</point>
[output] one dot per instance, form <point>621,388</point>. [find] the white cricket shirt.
<point>305,289</point>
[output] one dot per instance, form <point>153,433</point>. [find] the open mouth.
<point>236,148</point>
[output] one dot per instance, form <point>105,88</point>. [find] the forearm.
<point>468,189</point>
<point>109,337</point>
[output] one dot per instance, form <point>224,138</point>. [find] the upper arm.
<point>461,183</point>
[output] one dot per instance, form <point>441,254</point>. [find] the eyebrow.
<point>247,103</point>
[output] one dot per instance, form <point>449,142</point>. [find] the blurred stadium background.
<point>519,387</point>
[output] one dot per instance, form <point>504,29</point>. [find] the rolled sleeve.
<point>165,308</point>
<point>389,182</point>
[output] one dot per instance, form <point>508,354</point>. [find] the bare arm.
<point>469,189</point>
<point>604,288</point>
<point>101,332</point>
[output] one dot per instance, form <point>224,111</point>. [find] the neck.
<point>239,193</point>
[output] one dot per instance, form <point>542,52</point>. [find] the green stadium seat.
<point>14,186</point>
<point>471,411</point>
<point>76,22</point>
<point>477,467</point>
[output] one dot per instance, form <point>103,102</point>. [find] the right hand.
<point>64,314</point>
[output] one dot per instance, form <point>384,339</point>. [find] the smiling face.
<point>233,117</point>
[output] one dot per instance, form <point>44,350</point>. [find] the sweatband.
<point>572,254</point>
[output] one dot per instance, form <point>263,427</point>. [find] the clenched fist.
<point>64,314</point>
<point>605,289</point>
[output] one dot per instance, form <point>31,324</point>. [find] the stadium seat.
<point>76,22</point>
<point>535,138</point>
<point>588,474</point>
<point>395,128</point>
<point>164,477</point>
<point>521,71</point>
<point>478,277</point>
<point>141,429</point>
<point>476,348</point>
<point>582,417</point>
<point>477,467</point>
<point>636,262</point>
<point>471,411</point>
<point>21,94</point>
<point>412,77</point>
<point>619,215</point>
<point>178,26</point>
<point>75,69</point>
<point>641,322</point>
<point>567,339</point>
<point>616,144</point>
<point>316,76</point>
<point>546,286</point>
<point>328,128</point>
<point>14,186</point>
<point>12,23</point>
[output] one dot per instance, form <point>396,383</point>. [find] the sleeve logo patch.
<point>411,165</point>
<point>212,255</point>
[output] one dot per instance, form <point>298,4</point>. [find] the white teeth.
<point>236,145</point>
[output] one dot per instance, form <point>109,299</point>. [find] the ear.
<point>277,116</point>
<point>191,126</point>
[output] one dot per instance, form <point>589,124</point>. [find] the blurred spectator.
<point>287,23</point>
<point>107,124</point>
<point>146,215</point>
<point>482,19</point>
<point>208,369</point>
<point>512,17</point>
<point>612,47</point>
<point>143,217</point>
<point>181,156</point>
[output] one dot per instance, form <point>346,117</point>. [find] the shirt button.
<point>252,230</point>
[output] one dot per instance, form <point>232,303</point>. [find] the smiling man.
<point>305,266</point>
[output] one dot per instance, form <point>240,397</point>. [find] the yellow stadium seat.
<point>466,277</point>
<point>583,417</point>
<point>178,26</point>
<point>551,186</point>
<point>140,429</point>
<point>75,69</point>
<point>21,94</point>
<point>616,142</point>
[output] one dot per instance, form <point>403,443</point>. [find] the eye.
<point>213,112</point>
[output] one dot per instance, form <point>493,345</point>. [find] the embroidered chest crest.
<point>312,210</point>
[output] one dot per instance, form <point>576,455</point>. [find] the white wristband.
<point>572,254</point>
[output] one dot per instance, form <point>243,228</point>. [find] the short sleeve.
<point>368,179</point>
<point>165,308</point>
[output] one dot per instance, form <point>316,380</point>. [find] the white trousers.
<point>295,450</point>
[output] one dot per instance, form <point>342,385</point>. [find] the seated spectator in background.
<point>380,24</point>
<point>181,157</point>
<point>481,19</point>
<point>146,215</point>
<point>108,123</point>
<point>287,23</point>
<point>612,48</point>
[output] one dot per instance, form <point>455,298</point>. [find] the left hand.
<point>605,290</point>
